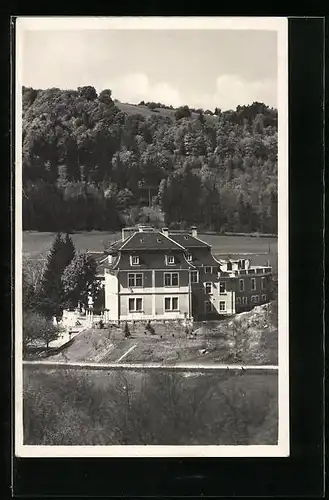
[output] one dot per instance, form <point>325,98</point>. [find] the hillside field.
<point>133,109</point>
<point>212,342</point>
<point>259,250</point>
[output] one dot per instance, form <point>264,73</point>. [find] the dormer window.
<point>134,260</point>
<point>170,260</point>
<point>189,257</point>
<point>208,270</point>
<point>229,266</point>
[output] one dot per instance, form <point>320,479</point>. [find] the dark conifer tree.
<point>51,288</point>
<point>68,250</point>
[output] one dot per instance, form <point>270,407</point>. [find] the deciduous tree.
<point>79,280</point>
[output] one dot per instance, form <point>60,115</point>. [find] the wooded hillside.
<point>93,163</point>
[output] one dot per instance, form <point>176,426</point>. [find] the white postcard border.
<point>280,25</point>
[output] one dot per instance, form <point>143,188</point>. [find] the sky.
<point>200,68</point>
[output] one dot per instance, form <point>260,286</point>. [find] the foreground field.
<point>163,408</point>
<point>260,250</point>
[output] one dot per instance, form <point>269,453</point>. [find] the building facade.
<point>160,275</point>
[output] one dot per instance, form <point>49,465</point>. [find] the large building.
<point>155,274</point>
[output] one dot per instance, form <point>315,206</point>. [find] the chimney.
<point>194,232</point>
<point>126,231</point>
<point>165,231</point>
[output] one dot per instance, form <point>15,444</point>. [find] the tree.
<point>238,340</point>
<point>106,97</point>
<point>182,112</point>
<point>88,92</point>
<point>33,270</point>
<point>51,295</point>
<point>37,327</point>
<point>79,280</point>
<point>68,251</point>
<point>71,136</point>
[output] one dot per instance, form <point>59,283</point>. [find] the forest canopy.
<point>90,162</point>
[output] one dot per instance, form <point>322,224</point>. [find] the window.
<point>264,298</point>
<point>253,284</point>
<point>208,287</point>
<point>208,307</point>
<point>222,287</point>
<point>170,259</point>
<point>171,279</point>
<point>255,299</point>
<point>238,300</point>
<point>245,300</point>
<point>222,305</point>
<point>241,285</point>
<point>229,266</point>
<point>135,279</point>
<point>134,260</point>
<point>135,305</point>
<point>263,283</point>
<point>242,263</point>
<point>208,270</point>
<point>171,303</point>
<point>194,277</point>
<point>189,257</point>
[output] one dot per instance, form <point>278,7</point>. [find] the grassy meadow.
<point>133,109</point>
<point>259,250</point>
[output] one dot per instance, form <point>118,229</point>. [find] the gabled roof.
<point>114,246</point>
<point>149,241</point>
<point>188,241</point>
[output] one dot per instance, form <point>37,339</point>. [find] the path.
<point>127,352</point>
<point>144,366</point>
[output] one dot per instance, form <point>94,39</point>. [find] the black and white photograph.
<point>151,237</point>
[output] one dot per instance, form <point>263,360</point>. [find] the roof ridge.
<point>127,240</point>
<point>201,241</point>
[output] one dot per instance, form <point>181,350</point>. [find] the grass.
<point>162,408</point>
<point>36,245</point>
<point>132,109</point>
<point>215,342</point>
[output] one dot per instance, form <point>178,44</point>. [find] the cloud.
<point>230,91</point>
<point>136,87</point>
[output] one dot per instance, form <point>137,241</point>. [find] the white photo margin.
<point>278,24</point>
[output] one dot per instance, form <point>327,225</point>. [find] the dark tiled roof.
<point>149,241</point>
<point>154,260</point>
<point>206,260</point>
<point>188,241</point>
